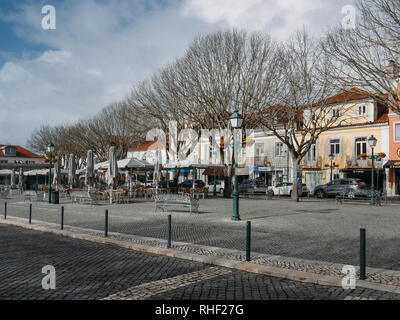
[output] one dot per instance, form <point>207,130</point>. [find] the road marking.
<point>145,291</point>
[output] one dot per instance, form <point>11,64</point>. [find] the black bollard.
<point>5,209</point>
<point>169,232</point>
<point>362,254</point>
<point>248,240</point>
<point>62,218</point>
<point>30,213</point>
<point>106,225</point>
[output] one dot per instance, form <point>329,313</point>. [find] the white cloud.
<point>55,57</point>
<point>100,49</point>
<point>11,73</point>
<point>280,17</point>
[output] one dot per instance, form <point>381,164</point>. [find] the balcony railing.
<point>312,163</point>
<point>357,162</point>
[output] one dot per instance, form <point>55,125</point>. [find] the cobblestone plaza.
<point>311,229</point>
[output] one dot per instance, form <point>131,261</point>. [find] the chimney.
<point>393,69</point>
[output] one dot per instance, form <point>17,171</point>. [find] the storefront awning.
<point>392,164</point>
<point>210,172</point>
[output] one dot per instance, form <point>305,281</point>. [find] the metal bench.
<point>365,195</point>
<point>164,200</point>
<point>83,196</point>
<point>33,195</point>
<point>4,194</point>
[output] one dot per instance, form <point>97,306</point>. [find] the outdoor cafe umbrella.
<point>112,169</point>
<point>89,167</point>
<point>157,170</point>
<point>71,169</point>
<point>12,177</point>
<point>57,172</point>
<point>20,178</point>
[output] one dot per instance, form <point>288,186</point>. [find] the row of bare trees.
<point>281,87</point>
<point>113,126</point>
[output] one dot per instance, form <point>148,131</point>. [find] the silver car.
<point>219,186</point>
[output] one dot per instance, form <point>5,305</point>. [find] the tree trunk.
<point>228,172</point>
<point>295,165</point>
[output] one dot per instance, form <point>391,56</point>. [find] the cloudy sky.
<point>100,48</point>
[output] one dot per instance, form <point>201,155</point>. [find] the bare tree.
<point>114,125</point>
<point>219,73</point>
<point>368,55</point>
<point>298,107</point>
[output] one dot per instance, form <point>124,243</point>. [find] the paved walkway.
<point>311,230</point>
<point>87,270</point>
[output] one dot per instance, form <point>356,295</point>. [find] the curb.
<point>301,276</point>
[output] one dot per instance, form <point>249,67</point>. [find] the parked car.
<point>167,184</point>
<point>252,186</point>
<point>134,184</point>
<point>189,184</point>
<point>286,189</point>
<point>219,186</point>
<point>351,186</point>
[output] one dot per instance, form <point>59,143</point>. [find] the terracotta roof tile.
<point>151,145</point>
<point>21,152</point>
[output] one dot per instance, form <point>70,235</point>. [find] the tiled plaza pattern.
<point>309,230</point>
<point>86,270</point>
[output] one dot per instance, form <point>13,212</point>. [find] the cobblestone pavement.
<point>86,270</point>
<point>312,229</point>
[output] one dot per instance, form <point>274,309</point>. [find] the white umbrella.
<point>57,172</point>
<point>89,166</point>
<point>71,169</point>
<point>112,170</point>
<point>20,178</point>
<point>12,177</point>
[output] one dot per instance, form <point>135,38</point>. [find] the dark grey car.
<point>351,187</point>
<point>252,186</point>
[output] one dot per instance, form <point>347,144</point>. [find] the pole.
<point>169,232</point>
<point>248,240</point>
<point>50,177</point>
<point>5,209</point>
<point>30,213</point>
<point>106,224</point>
<point>235,193</point>
<point>362,254</point>
<point>331,170</point>
<point>62,218</point>
<point>372,178</point>
<point>215,184</point>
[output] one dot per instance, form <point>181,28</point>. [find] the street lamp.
<point>213,158</point>
<point>50,149</point>
<point>372,143</point>
<point>331,156</point>
<point>236,121</point>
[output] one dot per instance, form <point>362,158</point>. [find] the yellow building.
<point>346,142</point>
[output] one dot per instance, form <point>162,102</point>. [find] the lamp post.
<point>372,143</point>
<point>236,121</point>
<point>50,149</point>
<point>331,156</point>
<point>213,155</point>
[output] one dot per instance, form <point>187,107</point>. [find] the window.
<point>362,110</point>
<point>278,149</point>
<point>259,149</point>
<point>334,146</point>
<point>335,113</point>
<point>361,147</point>
<point>397,131</point>
<point>312,153</point>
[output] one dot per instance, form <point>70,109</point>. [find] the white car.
<point>219,186</point>
<point>286,188</point>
